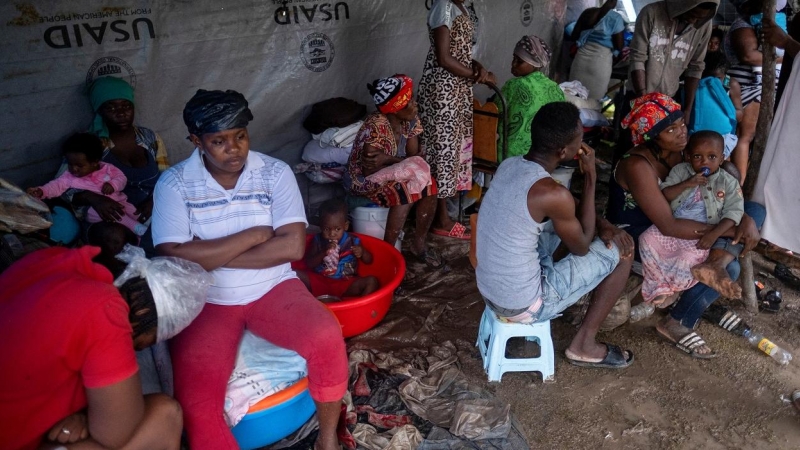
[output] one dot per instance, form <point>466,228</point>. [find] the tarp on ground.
<point>282,55</point>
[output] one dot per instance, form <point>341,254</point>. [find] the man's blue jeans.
<point>694,301</point>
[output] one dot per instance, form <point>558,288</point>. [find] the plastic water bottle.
<point>765,345</point>
<point>705,171</point>
<point>642,311</point>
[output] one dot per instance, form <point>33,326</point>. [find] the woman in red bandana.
<point>636,202</point>
<point>386,167</point>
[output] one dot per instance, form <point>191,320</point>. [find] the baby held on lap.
<point>85,170</point>
<point>701,191</point>
<point>333,257</point>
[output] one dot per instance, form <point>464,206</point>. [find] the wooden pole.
<point>766,111</point>
<point>778,254</point>
<point>763,126</point>
<point>748,284</point>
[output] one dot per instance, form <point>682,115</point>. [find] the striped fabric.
<point>190,204</point>
<point>743,73</point>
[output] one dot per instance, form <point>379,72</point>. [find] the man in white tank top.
<point>523,273</point>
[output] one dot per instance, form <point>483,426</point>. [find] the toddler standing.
<point>86,171</point>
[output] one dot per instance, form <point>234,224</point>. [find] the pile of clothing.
<point>333,125</point>
<point>590,110</point>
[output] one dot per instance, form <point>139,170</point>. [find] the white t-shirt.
<point>189,203</point>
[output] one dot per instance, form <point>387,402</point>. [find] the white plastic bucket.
<point>563,175</point>
<point>372,222</point>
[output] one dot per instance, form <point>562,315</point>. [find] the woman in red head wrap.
<point>386,167</point>
<point>636,202</point>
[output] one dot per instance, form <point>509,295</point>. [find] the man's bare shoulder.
<point>547,194</point>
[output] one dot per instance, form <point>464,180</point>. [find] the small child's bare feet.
<point>717,278</point>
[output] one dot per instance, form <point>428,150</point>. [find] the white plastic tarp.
<point>282,55</point>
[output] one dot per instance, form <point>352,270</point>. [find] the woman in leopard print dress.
<point>445,104</point>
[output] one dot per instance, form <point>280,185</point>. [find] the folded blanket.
<point>319,153</point>
<point>574,88</point>
<point>339,137</point>
<point>262,369</point>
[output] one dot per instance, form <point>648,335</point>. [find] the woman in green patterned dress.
<point>525,94</point>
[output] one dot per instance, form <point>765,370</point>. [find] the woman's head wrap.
<point>214,111</point>
<point>533,51</point>
<point>650,115</point>
<point>102,90</point>
<point>391,94</point>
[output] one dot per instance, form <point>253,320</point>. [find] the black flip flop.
<point>615,359</point>
<point>784,273</point>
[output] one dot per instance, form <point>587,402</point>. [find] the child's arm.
<point>34,192</point>
<point>736,98</point>
<point>362,254</point>
<point>733,206</point>
<point>316,253</point>
<point>117,178</point>
<point>711,236</point>
<point>672,192</point>
<point>56,187</point>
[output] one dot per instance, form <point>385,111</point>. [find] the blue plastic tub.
<point>265,425</point>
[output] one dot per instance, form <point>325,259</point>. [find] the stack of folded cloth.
<point>590,110</point>
<point>333,124</point>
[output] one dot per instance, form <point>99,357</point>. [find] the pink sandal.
<point>458,232</point>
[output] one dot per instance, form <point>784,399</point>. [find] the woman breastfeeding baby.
<point>658,199</point>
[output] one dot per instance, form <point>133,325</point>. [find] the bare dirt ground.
<point>665,400</point>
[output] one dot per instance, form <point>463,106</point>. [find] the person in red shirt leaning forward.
<point>68,375</point>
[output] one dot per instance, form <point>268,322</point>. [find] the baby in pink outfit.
<point>86,171</point>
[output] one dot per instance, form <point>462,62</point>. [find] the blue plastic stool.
<point>497,333</point>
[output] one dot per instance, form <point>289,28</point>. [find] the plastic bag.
<point>20,212</point>
<point>179,288</point>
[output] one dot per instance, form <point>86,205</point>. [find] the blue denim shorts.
<point>566,281</point>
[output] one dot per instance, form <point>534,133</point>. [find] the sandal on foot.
<point>796,399</point>
<point>458,232</point>
<point>689,344</point>
<point>614,359</point>
<point>431,258</point>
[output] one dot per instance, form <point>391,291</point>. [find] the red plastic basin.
<point>357,315</point>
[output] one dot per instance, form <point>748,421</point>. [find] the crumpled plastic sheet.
<point>435,392</point>
<point>441,439</point>
<point>20,212</point>
<point>482,418</point>
<point>179,288</point>
<point>402,438</point>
